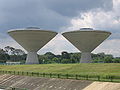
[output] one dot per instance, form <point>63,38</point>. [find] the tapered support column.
<point>32,58</point>
<point>86,57</point>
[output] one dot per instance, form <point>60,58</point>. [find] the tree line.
<point>11,54</point>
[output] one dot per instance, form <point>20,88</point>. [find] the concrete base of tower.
<point>86,57</point>
<point>32,58</point>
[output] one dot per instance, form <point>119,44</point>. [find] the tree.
<point>3,56</point>
<point>49,55</point>
<point>10,50</point>
<point>19,52</point>
<point>116,60</point>
<point>15,54</point>
<point>56,60</point>
<point>108,59</point>
<point>59,57</point>
<point>42,59</point>
<point>65,55</point>
<point>66,61</point>
<point>75,57</point>
<point>2,51</point>
<point>101,55</point>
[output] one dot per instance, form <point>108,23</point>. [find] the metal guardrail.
<point>108,78</point>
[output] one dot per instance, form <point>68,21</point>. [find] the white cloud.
<point>109,47</point>
<point>102,20</point>
<point>98,19</point>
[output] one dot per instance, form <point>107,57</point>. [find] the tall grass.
<point>81,69</point>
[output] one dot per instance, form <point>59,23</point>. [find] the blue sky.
<point>61,16</point>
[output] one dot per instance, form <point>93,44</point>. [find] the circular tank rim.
<point>30,30</point>
<point>101,31</point>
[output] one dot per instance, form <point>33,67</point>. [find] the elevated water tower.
<point>32,39</point>
<point>86,40</point>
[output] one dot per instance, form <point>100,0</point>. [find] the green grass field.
<point>83,68</point>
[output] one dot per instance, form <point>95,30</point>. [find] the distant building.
<point>13,63</point>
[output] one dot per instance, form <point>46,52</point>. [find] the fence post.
<point>18,72</point>
<point>32,73</point>
<point>13,88</point>
<point>14,72</point>
<point>22,73</point>
<point>86,77</point>
<point>27,73</point>
<point>38,74</point>
<point>43,74</point>
<point>98,78</point>
<point>67,76</point>
<point>58,75</point>
<point>76,77</point>
<point>50,74</point>
<point>111,78</point>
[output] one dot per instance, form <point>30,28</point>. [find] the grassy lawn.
<point>83,68</point>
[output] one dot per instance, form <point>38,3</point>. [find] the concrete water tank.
<point>32,39</point>
<point>86,40</point>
